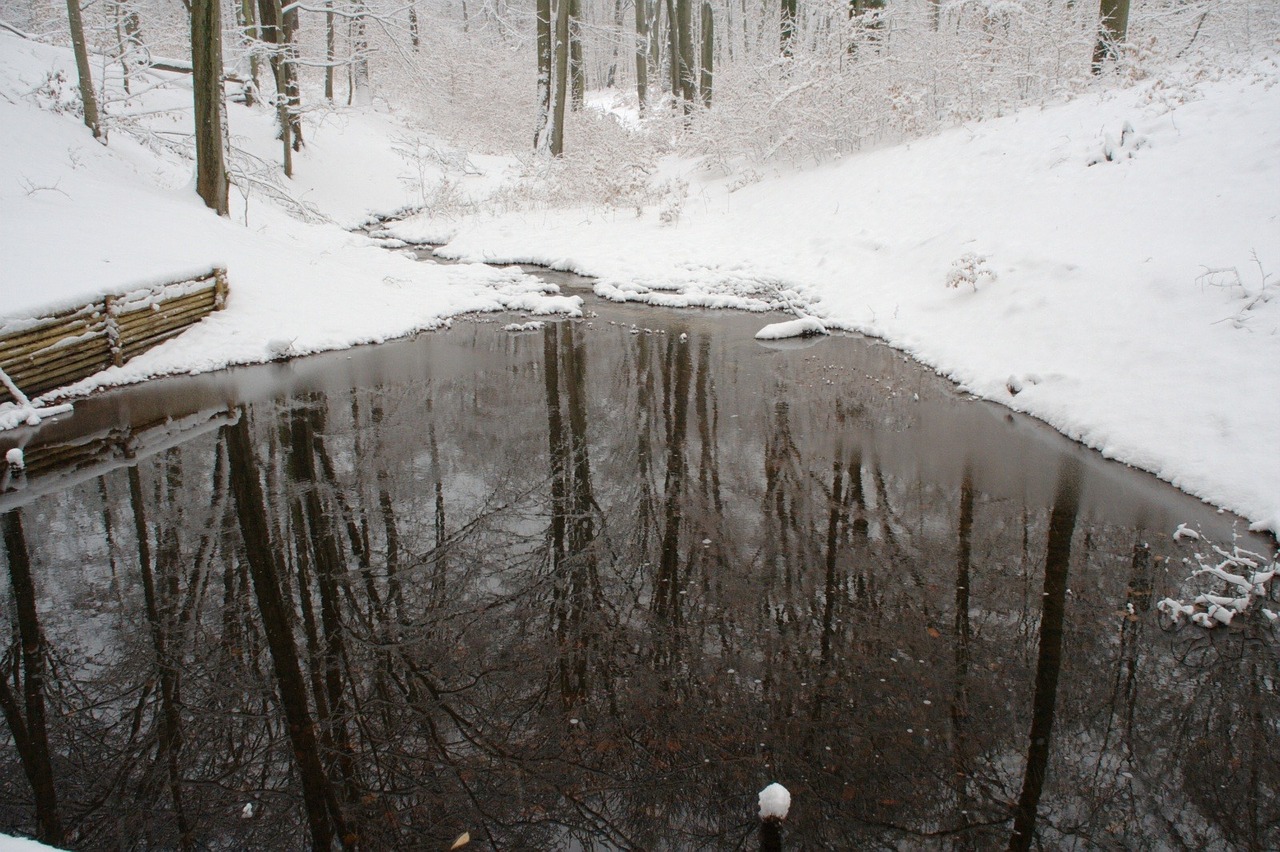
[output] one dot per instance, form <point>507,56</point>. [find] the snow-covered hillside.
<point>1110,265</point>
<point>79,219</point>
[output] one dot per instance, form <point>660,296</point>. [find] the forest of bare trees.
<point>797,81</point>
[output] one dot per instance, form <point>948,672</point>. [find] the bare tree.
<point>1113,28</point>
<point>206,86</point>
<point>87,97</point>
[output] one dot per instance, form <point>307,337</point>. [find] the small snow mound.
<point>775,801</point>
<point>1184,531</point>
<point>280,348</point>
<point>803,327</point>
<point>12,416</point>
<point>15,459</point>
<point>1271,524</point>
<point>532,325</point>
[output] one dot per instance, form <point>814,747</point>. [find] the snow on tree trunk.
<point>1113,28</point>
<point>543,45</point>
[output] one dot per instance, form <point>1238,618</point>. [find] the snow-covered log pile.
<point>39,354</point>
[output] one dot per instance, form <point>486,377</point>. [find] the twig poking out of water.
<point>1225,585</point>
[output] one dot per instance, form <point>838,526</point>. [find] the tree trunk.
<point>708,45</point>
<point>543,46</point>
<point>359,92</point>
<point>611,78</point>
<point>1113,28</point>
<point>788,30</point>
<point>248,14</point>
<point>292,90</point>
<point>561,79</point>
<point>673,48</point>
<point>688,82</point>
<point>273,34</point>
<point>206,86</point>
<point>577,71</point>
<point>330,48</point>
<point>642,52</point>
<point>87,97</point>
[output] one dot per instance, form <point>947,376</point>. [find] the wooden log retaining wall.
<point>72,345</point>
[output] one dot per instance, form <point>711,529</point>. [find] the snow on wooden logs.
<point>61,348</point>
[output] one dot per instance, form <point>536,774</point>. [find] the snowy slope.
<point>1081,280</point>
<point>79,219</point>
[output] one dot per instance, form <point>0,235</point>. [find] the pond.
<point>593,586</point>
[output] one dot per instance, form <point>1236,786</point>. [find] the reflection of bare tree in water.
<point>1229,733</point>
<point>1057,563</point>
<point>572,558</point>
<point>324,814</point>
<point>25,667</point>
<point>667,589</point>
<point>671,585</point>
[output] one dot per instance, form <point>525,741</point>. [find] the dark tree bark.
<point>248,19</point>
<point>331,44</point>
<point>707,71</point>
<point>1113,29</point>
<point>561,78</point>
<point>543,42</point>
<point>688,79</point>
<point>642,52</point>
<point>206,85</point>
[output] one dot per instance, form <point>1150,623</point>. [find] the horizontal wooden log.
<point>48,334</point>
<point>54,350</point>
<point>72,345</point>
<point>205,295</point>
<point>190,313</point>
<point>131,341</point>
<point>139,346</point>
<point>87,352</point>
<point>57,375</point>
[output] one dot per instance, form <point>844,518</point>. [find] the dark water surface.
<point>594,587</point>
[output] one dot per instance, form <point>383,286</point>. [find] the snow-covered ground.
<point>1110,265</point>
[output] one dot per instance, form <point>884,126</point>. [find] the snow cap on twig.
<point>775,801</point>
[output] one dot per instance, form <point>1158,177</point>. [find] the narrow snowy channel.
<point>595,583</point>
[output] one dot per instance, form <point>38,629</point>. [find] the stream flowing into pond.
<point>593,586</point>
